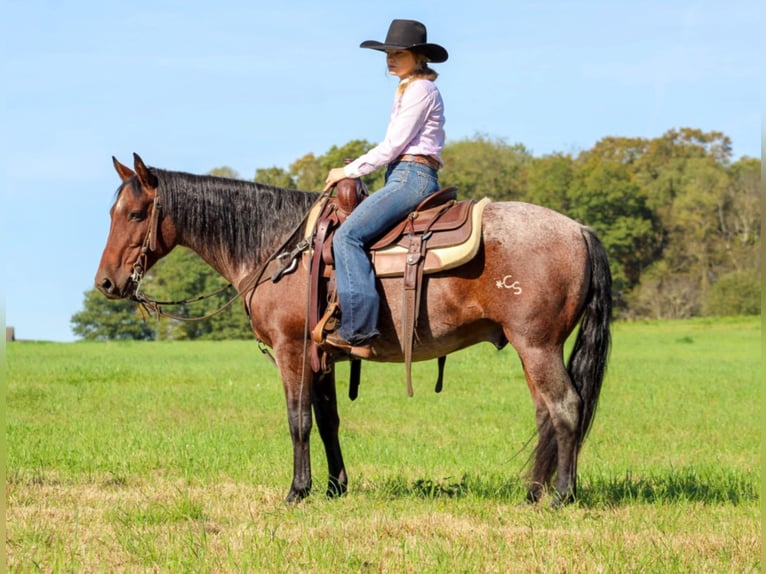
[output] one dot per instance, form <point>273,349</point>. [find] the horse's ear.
<point>146,177</point>
<point>123,170</point>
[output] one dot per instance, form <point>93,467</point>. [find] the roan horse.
<point>536,276</point>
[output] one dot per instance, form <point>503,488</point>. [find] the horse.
<point>537,275</point>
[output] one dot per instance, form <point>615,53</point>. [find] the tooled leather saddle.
<point>418,245</point>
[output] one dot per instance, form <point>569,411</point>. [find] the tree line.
<point>680,220</point>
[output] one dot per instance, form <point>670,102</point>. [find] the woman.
<point>411,150</point>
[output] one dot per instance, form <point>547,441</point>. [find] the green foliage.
<point>485,167</point>
<point>550,178</point>
<point>737,293</point>
<point>275,176</point>
<point>309,172</point>
<point>606,196</point>
<point>224,171</point>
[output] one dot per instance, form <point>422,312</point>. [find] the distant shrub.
<point>737,293</point>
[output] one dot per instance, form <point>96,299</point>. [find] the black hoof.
<point>560,500</point>
<point>295,495</point>
<point>535,493</point>
<point>335,489</point>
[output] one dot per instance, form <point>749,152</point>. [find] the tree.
<point>110,319</point>
<point>693,222</point>
<point>664,161</point>
<point>309,172</point>
<point>550,178</point>
<point>668,217</point>
<point>224,171</point>
<point>485,167</point>
<point>740,216</point>
<point>664,294</point>
<point>605,195</point>
<point>275,176</point>
<point>737,293</point>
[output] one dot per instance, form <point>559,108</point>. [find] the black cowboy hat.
<point>408,35</point>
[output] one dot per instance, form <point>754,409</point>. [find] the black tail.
<point>587,363</point>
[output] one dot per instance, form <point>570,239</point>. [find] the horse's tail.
<point>587,362</point>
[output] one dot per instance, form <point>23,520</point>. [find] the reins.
<point>154,306</point>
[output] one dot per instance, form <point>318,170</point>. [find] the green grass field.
<point>175,457</point>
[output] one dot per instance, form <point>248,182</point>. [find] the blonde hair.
<point>422,72</point>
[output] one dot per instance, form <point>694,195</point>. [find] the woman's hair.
<point>423,71</point>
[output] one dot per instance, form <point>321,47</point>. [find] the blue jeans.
<point>407,184</point>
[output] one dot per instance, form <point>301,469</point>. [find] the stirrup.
<point>327,324</point>
<point>334,340</point>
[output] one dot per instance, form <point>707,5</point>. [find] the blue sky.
<point>192,86</point>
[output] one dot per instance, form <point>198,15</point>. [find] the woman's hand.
<point>333,177</point>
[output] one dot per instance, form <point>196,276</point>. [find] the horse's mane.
<point>246,220</point>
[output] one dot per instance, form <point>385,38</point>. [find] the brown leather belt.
<point>428,160</point>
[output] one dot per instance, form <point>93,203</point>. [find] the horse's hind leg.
<point>558,408</point>
<point>546,451</point>
<point>323,397</point>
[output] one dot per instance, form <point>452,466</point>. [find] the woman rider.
<point>411,152</point>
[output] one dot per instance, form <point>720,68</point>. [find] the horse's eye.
<point>137,215</point>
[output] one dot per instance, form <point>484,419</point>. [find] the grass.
<point>175,457</point>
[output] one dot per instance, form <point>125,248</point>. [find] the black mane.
<point>246,220</point>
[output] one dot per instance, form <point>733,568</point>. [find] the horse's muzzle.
<point>109,288</point>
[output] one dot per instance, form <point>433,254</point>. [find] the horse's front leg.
<point>297,382</point>
<point>325,403</point>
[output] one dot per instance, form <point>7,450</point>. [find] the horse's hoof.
<point>535,493</point>
<point>562,500</point>
<point>335,489</point>
<point>295,496</point>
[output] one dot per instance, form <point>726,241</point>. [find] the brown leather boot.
<point>359,351</point>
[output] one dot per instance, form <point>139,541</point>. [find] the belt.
<point>428,160</point>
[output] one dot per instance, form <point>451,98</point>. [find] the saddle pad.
<point>311,219</point>
<point>391,261</point>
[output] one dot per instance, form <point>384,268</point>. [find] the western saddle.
<point>441,233</point>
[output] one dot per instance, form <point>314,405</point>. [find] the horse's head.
<point>138,237</point>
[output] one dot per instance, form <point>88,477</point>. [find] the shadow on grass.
<point>684,485</point>
<point>716,486</point>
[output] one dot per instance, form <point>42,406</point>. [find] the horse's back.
<point>528,225</point>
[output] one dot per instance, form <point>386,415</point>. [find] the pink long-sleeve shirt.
<point>416,127</point>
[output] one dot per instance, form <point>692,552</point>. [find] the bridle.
<point>139,269</point>
<point>149,244</point>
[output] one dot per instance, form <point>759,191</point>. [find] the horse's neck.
<point>237,237</point>
<point>236,272</point>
